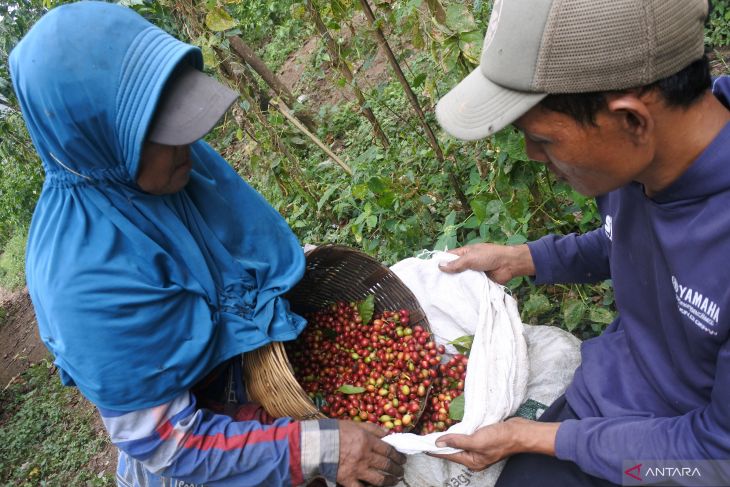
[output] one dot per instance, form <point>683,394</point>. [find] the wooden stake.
<point>413,100</point>
<point>249,57</point>
<point>285,111</point>
<point>341,64</point>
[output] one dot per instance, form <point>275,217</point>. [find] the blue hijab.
<point>138,296</point>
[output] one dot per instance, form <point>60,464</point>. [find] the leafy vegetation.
<point>399,200</point>
<point>12,260</point>
<point>718,31</point>
<point>48,434</point>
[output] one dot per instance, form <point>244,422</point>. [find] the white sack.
<point>469,303</point>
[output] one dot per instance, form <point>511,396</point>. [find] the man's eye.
<point>538,140</point>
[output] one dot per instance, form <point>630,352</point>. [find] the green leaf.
<point>350,389</point>
<point>459,19</point>
<point>326,196</point>
<point>339,10</point>
<point>218,20</point>
<point>600,315</point>
<point>450,219</point>
<point>366,308</point>
<point>456,408</point>
<point>209,57</point>
<point>449,54</point>
<point>386,200</point>
<point>371,221</point>
<point>536,305</point>
<point>573,312</point>
<point>471,45</point>
<point>492,211</point>
<point>516,239</point>
<point>463,344</point>
<point>479,207</point>
<point>377,185</point>
<point>319,400</point>
<point>418,80</point>
<point>360,191</point>
<point>471,223</point>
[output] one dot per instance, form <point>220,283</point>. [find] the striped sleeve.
<point>180,441</point>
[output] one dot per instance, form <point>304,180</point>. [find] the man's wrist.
<point>533,436</point>
<point>521,261</point>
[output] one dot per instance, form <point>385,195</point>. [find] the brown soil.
<point>20,345</point>
<point>325,91</point>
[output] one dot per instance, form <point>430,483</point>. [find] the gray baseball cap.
<point>534,48</point>
<point>191,104</point>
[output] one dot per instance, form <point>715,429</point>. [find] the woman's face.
<point>164,169</point>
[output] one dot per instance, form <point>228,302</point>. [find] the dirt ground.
<point>20,345</point>
<point>325,91</point>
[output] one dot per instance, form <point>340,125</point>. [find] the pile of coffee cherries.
<point>447,387</point>
<point>380,371</point>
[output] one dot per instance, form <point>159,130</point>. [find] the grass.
<point>47,432</point>
<point>12,261</point>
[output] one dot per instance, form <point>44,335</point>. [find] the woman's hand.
<point>500,262</point>
<point>492,443</point>
<point>365,458</point>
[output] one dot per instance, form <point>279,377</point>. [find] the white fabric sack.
<point>469,303</point>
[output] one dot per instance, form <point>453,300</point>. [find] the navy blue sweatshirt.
<point>656,384</point>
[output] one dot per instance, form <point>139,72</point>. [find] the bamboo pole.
<point>341,64</point>
<point>285,111</point>
<point>277,86</point>
<point>402,79</point>
<point>294,171</point>
<point>433,142</point>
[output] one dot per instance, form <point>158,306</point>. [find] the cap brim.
<point>477,107</point>
<point>190,107</point>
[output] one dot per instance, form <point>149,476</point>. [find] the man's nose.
<point>535,151</point>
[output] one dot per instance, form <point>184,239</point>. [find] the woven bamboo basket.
<point>333,273</point>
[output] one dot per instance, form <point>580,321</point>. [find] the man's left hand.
<point>492,443</point>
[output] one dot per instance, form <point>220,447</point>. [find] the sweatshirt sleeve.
<point>600,445</point>
<point>180,441</point>
<point>572,258</point>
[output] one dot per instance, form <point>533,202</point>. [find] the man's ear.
<point>633,114</point>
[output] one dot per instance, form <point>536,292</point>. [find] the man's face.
<point>164,169</point>
<point>593,159</point>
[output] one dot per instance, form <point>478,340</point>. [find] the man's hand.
<point>364,457</point>
<point>500,262</point>
<point>492,443</point>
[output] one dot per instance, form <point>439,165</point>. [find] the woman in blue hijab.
<point>150,263</point>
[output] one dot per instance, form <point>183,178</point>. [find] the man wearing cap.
<point>152,266</point>
<point>616,99</point>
